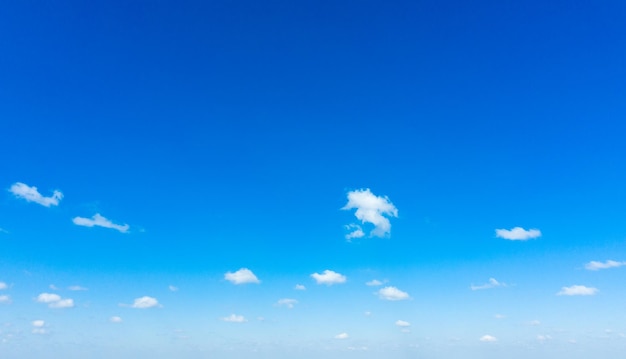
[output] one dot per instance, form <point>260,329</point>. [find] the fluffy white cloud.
<point>356,231</point>
<point>145,302</point>
<point>63,303</point>
<point>371,209</point>
<point>299,287</point>
<point>38,323</point>
<point>5,299</point>
<point>38,327</point>
<point>493,283</point>
<point>374,283</point>
<point>402,323</point>
<point>233,318</point>
<point>488,338</point>
<point>287,302</point>
<point>392,293</point>
<point>578,290</point>
<point>99,221</point>
<point>593,265</point>
<point>31,194</point>
<point>76,288</point>
<point>518,234</point>
<point>242,276</point>
<point>342,336</point>
<point>115,319</point>
<point>48,298</point>
<point>3,286</point>
<point>329,277</point>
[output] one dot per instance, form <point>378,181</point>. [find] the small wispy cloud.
<point>355,231</point>
<point>329,277</point>
<point>234,318</point>
<point>493,283</point>
<point>2,230</point>
<point>518,234</point>
<point>342,336</point>
<point>242,276</point>
<point>3,286</point>
<point>370,209</point>
<point>402,323</point>
<point>578,290</point>
<point>31,194</point>
<point>145,302</point>
<point>488,338</point>
<point>172,288</point>
<point>374,283</point>
<point>77,288</point>
<point>287,302</point>
<point>5,299</point>
<point>99,221</point>
<point>55,301</point>
<point>39,327</point>
<point>299,287</point>
<point>115,319</point>
<point>594,265</point>
<point>63,303</point>
<point>393,294</point>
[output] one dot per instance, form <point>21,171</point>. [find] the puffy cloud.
<point>31,194</point>
<point>488,338</point>
<point>402,323</point>
<point>38,323</point>
<point>3,286</point>
<point>172,288</point>
<point>99,221</point>
<point>233,318</point>
<point>329,277</point>
<point>48,298</point>
<point>518,234</point>
<point>374,283</point>
<point>578,290</point>
<point>145,302</point>
<point>63,303</point>
<point>299,287</point>
<point>593,265</point>
<point>493,283</point>
<point>356,231</point>
<point>5,299</point>
<point>371,209</point>
<point>115,319</point>
<point>242,276</point>
<point>392,293</point>
<point>287,302</point>
<point>342,336</point>
<point>76,288</point>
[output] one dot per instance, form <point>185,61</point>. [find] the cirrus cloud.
<point>31,194</point>
<point>99,221</point>
<point>370,209</point>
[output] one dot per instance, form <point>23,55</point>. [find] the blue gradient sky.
<point>229,135</point>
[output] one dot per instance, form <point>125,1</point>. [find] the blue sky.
<point>303,179</point>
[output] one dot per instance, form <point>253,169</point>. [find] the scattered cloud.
<point>172,288</point>
<point>48,298</point>
<point>233,318</point>
<point>38,327</point>
<point>242,276</point>
<point>53,287</point>
<point>99,221</point>
<point>63,303</point>
<point>299,287</point>
<point>534,323</point>
<point>578,290</point>
<point>499,316</point>
<point>374,283</point>
<point>145,302</point>
<point>543,338</point>
<point>356,231</point>
<point>488,338</point>
<point>3,286</point>
<point>371,209</point>
<point>392,293</point>
<point>493,283</point>
<point>115,319</point>
<point>593,265</point>
<point>287,302</point>
<point>402,323</point>
<point>31,194</point>
<point>5,299</point>
<point>77,288</point>
<point>518,234</point>
<point>329,277</point>
<point>342,336</point>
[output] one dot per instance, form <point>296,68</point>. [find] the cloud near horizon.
<point>370,209</point>
<point>99,221</point>
<point>31,194</point>
<point>518,234</point>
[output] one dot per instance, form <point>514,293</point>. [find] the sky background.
<point>205,154</point>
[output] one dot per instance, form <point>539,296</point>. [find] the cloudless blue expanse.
<point>306,179</point>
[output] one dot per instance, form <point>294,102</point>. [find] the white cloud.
<point>392,293</point>
<point>299,287</point>
<point>99,221</point>
<point>534,323</point>
<point>488,338</point>
<point>543,338</point>
<point>63,303</point>
<point>172,288</point>
<point>329,277</point>
<point>38,323</point>
<point>342,336</point>
<point>593,265</point>
<point>38,327</point>
<point>499,316</point>
<point>115,319</point>
<point>518,234</point>
<point>578,290</point>
<point>48,298</point>
<point>371,209</point>
<point>367,313</point>
<point>53,287</point>
<point>3,286</point>
<point>31,194</point>
<point>493,283</point>
<point>402,323</point>
<point>287,302</point>
<point>76,288</point>
<point>233,318</point>
<point>356,231</point>
<point>5,299</point>
<point>242,276</point>
<point>374,283</point>
<point>145,302</point>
